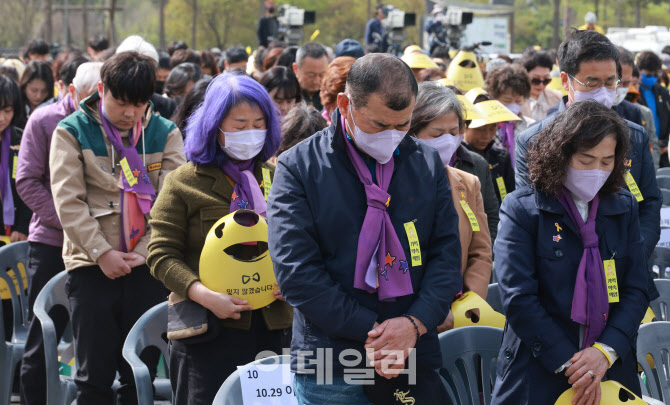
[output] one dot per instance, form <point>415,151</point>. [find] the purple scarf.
<point>381,265</point>
<point>506,131</point>
<point>136,200</point>
<point>247,193</point>
<point>5,183</point>
<point>590,306</point>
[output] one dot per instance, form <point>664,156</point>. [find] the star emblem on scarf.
<point>388,260</point>
<point>557,238</point>
<point>134,233</point>
<point>234,196</point>
<point>384,273</point>
<point>243,204</point>
<point>136,173</point>
<point>146,179</point>
<point>404,266</point>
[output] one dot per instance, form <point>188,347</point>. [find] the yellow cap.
<point>556,84</point>
<point>611,393</point>
<point>468,109</point>
<point>465,78</point>
<point>452,53</point>
<point>252,280</point>
<point>472,94</point>
<point>419,60</point>
<point>445,82</point>
<point>463,308</point>
<point>492,111</point>
<point>411,49</point>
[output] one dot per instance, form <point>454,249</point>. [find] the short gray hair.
<point>432,102</point>
<point>311,49</point>
<point>87,77</point>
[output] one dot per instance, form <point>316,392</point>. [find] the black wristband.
<point>416,327</point>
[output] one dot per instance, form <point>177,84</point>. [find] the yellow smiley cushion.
<point>250,279</point>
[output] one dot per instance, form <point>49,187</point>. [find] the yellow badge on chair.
<point>250,279</point>
<point>611,393</point>
<point>465,310</point>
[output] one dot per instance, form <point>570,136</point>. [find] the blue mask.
<point>648,81</point>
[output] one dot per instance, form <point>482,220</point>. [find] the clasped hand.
<point>586,384</point>
<point>389,343</point>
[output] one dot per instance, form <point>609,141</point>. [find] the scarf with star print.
<point>247,192</point>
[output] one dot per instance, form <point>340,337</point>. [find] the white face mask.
<point>379,146</point>
<point>621,93</point>
<point>244,145</point>
<point>446,145</point>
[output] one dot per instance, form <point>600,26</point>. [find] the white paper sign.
<point>267,384</point>
<point>665,217</point>
<point>665,238</point>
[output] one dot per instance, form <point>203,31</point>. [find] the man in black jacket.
<point>656,97</point>
<point>268,26</point>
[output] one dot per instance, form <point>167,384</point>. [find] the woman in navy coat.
<point>570,265</point>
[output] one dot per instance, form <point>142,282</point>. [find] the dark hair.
<point>440,52</point>
<point>384,74</point>
<point>184,55</point>
<point>282,79</point>
<point>648,60</point>
<point>509,76</point>
<point>190,103</point>
<point>271,58</point>
<point>176,45</point>
<point>107,54</point>
<point>533,59</point>
<point>36,70</point>
<point>236,54</point>
<point>379,7</point>
<point>9,71</point>
<point>179,77</point>
<point>299,124</point>
<point>10,96</point>
<point>259,58</point>
<point>666,50</point>
<point>38,47</point>
<point>625,57</point>
<point>429,75</point>
<point>62,58</point>
<point>163,60</point>
<point>98,43</point>
<point>209,61</point>
<point>335,80</point>
<point>311,49</point>
<point>287,57</point>
<point>584,46</point>
<point>581,127</point>
<point>130,76</point>
<point>69,69</point>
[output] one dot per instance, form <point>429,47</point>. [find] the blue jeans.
<point>339,392</point>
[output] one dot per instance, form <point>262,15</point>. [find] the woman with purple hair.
<point>229,139</point>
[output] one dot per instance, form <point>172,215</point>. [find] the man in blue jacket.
<point>589,63</point>
<point>363,237</point>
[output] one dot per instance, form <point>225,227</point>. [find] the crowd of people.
<point>389,184</point>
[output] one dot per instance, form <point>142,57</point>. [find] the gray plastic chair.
<point>661,304</point>
<point>663,171</point>
<point>661,258</point>
<point>12,350</point>
<point>148,331</point>
<point>59,390</point>
<point>493,298</point>
<point>230,392</point>
<point>666,194</point>
<point>652,339</point>
<point>663,181</point>
<point>469,355</point>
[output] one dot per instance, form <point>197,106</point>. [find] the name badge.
<point>501,188</point>
<point>14,166</point>
<point>267,182</point>
<point>127,172</point>
<point>612,285</point>
<point>632,187</point>
<point>471,215</point>
<point>414,246</point>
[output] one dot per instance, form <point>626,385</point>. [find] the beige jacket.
<point>85,191</point>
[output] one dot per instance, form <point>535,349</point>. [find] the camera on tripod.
<point>291,22</point>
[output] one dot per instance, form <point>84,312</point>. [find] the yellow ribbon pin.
<point>388,202</point>
<point>558,227</point>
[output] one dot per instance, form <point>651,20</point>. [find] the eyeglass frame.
<point>617,82</point>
